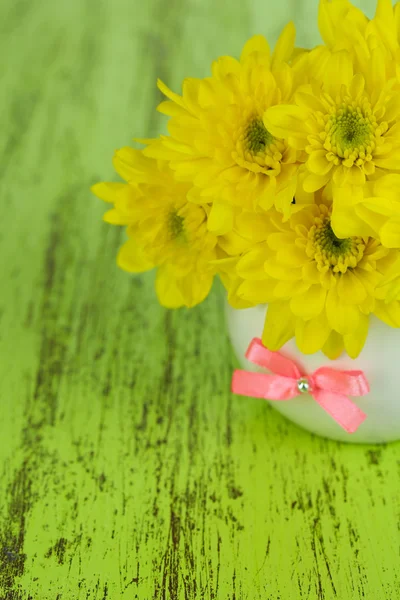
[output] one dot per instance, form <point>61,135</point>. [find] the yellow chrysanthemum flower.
<point>320,288</point>
<point>218,141</point>
<point>165,230</point>
<point>348,124</point>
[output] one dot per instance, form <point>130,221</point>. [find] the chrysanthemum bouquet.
<point>281,174</point>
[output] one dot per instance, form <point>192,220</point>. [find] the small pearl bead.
<point>303,386</point>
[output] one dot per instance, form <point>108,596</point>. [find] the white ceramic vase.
<point>379,360</point>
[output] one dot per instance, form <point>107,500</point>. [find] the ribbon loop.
<point>258,354</point>
<point>330,388</point>
<point>351,383</point>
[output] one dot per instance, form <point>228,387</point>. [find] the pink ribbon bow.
<point>328,387</point>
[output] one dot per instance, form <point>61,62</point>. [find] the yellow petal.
<point>281,272</point>
<point>309,101</point>
<point>391,161</point>
<point>224,66</point>
<point>309,304</point>
<point>285,45</point>
<point>312,335</point>
<point>355,176</point>
<point>332,16</point>
<point>371,217</point>
<point>318,163</point>
<point>311,274</point>
<point>233,243</point>
<point>257,292</point>
<point>303,197</point>
<point>350,289</point>
<point>291,256</point>
<point>133,259</point>
<point>225,265</point>
<point>382,206</point>
<point>107,191</point>
<point>390,233</point>
<point>231,284</point>
<point>167,290</point>
<point>346,222</point>
<point>195,287</point>
<point>313,182</point>
<point>326,25</point>
<point>347,195</point>
<point>131,163</point>
<point>385,23</point>
<point>334,346</point>
<point>190,93</point>
<point>284,80</point>
<point>287,120</point>
<point>316,62</point>
<point>340,176</point>
<point>257,43</point>
<point>357,85</point>
<point>171,109</point>
<point>171,95</point>
<point>377,69</point>
<point>397,16</point>
<point>354,342</point>
<point>369,168</point>
<point>253,226</point>
<point>384,12</point>
<point>285,290</point>
<point>220,219</point>
<point>157,149</point>
<point>338,62</point>
<point>283,199</point>
<point>114,217</point>
<point>388,186</point>
<point>251,265</point>
<point>279,240</point>
<point>279,326</point>
<point>388,313</point>
<point>343,318</point>
<point>297,143</point>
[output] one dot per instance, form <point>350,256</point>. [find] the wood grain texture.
<point>128,470</point>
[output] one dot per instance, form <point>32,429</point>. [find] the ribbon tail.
<point>249,384</point>
<point>347,414</point>
<point>262,385</point>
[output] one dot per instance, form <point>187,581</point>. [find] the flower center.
<point>351,133</point>
<point>257,136</point>
<point>330,252</point>
<point>176,225</point>
<point>256,149</point>
<point>350,130</point>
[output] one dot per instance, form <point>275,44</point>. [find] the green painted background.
<point>128,470</point>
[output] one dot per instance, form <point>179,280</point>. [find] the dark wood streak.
<point>12,536</point>
<point>22,491</point>
<point>58,549</point>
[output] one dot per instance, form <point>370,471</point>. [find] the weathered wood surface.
<point>128,470</point>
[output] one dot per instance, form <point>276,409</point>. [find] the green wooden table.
<point>128,470</point>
